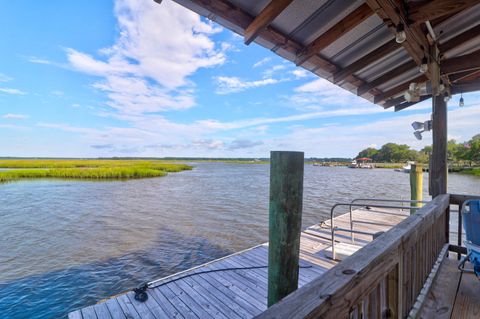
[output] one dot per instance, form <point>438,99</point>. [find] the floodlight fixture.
<point>418,135</point>
<point>417,125</point>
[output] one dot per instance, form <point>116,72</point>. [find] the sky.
<point>133,78</point>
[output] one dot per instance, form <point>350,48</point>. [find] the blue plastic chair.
<point>471,224</point>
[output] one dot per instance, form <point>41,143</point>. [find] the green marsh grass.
<point>86,169</point>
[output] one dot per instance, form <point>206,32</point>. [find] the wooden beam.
<point>429,10</point>
<point>398,89</point>
<point>238,17</point>
<point>462,63</point>
<point>346,24</point>
<point>465,87</point>
<point>463,76</point>
<point>264,18</point>
<point>407,66</point>
<point>366,60</point>
<point>460,39</point>
<point>416,43</point>
<point>404,105</point>
<point>439,147</point>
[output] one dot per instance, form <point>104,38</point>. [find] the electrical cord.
<point>141,291</point>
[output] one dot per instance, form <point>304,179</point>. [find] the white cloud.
<point>234,84</point>
<point>12,91</point>
<point>319,93</point>
<point>274,69</point>
<point>262,62</point>
<point>4,78</point>
<point>14,116</point>
<point>34,59</point>
<point>159,47</point>
<point>58,93</point>
<point>300,73</point>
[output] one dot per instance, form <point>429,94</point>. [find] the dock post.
<point>285,222</point>
<point>416,185</point>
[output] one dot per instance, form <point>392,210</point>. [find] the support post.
<point>285,221</point>
<point>416,185</point>
<point>439,168</point>
<point>438,174</point>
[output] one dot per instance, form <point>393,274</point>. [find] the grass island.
<point>95,169</point>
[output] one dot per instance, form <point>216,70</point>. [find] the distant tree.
<point>396,153</point>
<point>368,152</point>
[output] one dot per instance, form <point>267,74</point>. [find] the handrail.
<point>332,226</point>
<point>389,200</point>
<point>396,267</point>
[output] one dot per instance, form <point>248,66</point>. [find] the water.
<point>66,244</point>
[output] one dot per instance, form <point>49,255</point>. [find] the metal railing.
<point>353,204</point>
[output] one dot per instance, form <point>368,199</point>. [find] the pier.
<point>213,291</point>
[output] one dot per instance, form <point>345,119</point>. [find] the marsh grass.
<point>86,169</point>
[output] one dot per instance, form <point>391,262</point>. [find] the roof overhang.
<point>352,43</point>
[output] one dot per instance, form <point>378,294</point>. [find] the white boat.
<point>407,168</point>
<point>363,162</point>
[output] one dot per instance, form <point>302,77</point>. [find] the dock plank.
<point>89,313</point>
<point>467,303</point>
<point>440,300</point>
<point>165,304</point>
<point>77,314</point>
<point>114,308</point>
<point>102,311</point>
<point>201,293</point>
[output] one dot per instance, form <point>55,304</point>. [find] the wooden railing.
<point>381,280</point>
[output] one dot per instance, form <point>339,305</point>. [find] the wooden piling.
<point>416,185</point>
<point>285,221</point>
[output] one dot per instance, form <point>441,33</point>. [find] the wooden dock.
<point>212,291</point>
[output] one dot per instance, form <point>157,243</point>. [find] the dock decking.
<point>207,291</point>
<point>454,294</point>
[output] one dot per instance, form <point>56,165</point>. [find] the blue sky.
<point>134,78</point>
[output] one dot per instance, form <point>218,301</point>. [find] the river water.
<point>66,244</point>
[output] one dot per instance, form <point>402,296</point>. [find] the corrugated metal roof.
<point>303,21</point>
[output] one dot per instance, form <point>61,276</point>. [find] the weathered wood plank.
<point>177,302</point>
<point>141,308</point>
<point>430,10</point>
<point>127,307</point>
<point>467,302</point>
<point>224,295</point>
<point>77,314</point>
<point>165,304</point>
<point>115,309</point>
<point>264,18</point>
<point>440,299</point>
<point>89,313</point>
<point>102,311</point>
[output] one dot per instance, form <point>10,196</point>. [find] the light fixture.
<point>418,135</point>
<point>400,35</point>
<point>441,87</point>
<point>462,102</point>
<point>421,127</point>
<point>446,97</point>
<point>417,125</point>
<point>415,90</point>
<point>424,65</point>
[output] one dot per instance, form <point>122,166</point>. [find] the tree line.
<point>466,152</point>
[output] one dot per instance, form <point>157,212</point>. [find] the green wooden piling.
<point>285,221</point>
<point>416,185</point>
